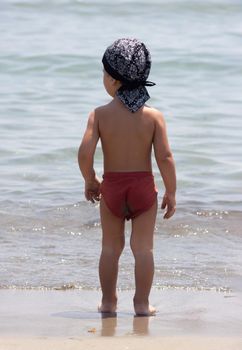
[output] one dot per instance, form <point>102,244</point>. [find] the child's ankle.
<point>140,300</point>
<point>109,300</point>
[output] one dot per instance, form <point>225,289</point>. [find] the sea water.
<point>51,78</point>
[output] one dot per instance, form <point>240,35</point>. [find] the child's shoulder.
<point>97,112</point>
<point>100,110</point>
<point>150,112</point>
<point>154,113</point>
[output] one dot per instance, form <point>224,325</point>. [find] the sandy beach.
<point>68,320</point>
<point>157,343</point>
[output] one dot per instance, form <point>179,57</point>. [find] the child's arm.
<point>86,158</point>
<point>166,165</point>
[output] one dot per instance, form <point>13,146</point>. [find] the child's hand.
<point>169,202</point>
<point>92,190</point>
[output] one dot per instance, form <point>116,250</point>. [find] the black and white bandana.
<point>128,60</point>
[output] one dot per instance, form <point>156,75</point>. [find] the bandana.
<point>128,61</point>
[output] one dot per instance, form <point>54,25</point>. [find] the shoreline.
<point>73,313</point>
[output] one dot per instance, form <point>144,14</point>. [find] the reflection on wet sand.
<point>141,325</point>
<point>110,322</point>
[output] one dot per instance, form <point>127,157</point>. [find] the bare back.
<point>126,137</point>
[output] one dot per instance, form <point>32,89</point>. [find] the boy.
<point>128,129</point>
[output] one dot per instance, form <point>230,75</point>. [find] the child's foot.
<point>107,308</point>
<point>144,310</point>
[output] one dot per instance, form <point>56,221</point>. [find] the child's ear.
<point>116,83</point>
<point>113,81</point>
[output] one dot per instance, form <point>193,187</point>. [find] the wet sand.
<point>123,343</point>
<point>43,319</point>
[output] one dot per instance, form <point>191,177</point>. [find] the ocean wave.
<point>157,286</point>
<point>49,64</point>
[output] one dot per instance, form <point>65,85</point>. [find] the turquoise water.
<point>51,78</point>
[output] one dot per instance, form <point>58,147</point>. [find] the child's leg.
<point>112,246</point>
<point>142,247</point>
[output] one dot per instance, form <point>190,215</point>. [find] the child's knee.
<point>112,250</point>
<point>141,250</point>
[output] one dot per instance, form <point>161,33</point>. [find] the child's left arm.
<point>86,158</point>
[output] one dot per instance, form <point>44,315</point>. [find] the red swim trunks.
<point>128,194</point>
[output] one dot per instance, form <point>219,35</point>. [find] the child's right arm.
<point>86,158</point>
<point>166,165</point>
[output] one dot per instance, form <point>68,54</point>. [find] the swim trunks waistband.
<point>118,174</point>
